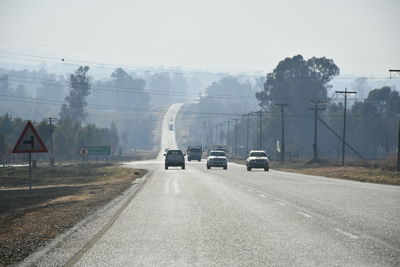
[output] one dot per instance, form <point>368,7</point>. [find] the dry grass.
<point>378,171</point>
<point>356,173</point>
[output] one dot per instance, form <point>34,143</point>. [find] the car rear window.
<point>217,153</point>
<point>258,154</point>
<point>174,152</point>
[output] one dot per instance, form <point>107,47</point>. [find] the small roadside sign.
<point>83,151</point>
<point>99,150</point>
<point>29,141</point>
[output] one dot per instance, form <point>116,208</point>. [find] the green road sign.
<point>99,150</point>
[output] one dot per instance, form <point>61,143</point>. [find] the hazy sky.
<point>362,36</point>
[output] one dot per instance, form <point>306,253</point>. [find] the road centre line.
<point>349,235</point>
<point>280,203</point>
<point>261,195</point>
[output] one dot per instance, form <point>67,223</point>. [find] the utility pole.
<point>398,142</point>
<point>282,130</point>
<point>398,150</point>
<point>345,92</point>
<point>227,141</point>
<point>216,133</point>
<point>51,129</point>
<point>236,136</point>
<point>247,134</point>
<point>221,135</point>
<point>316,102</point>
<point>211,134</point>
<point>260,134</point>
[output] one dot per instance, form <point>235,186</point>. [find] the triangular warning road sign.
<point>29,141</point>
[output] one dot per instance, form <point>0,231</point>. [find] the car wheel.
<point>226,167</point>
<point>166,167</point>
<point>199,160</point>
<point>249,169</point>
<point>266,169</point>
<point>183,166</point>
<point>208,167</point>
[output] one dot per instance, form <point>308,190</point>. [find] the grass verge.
<point>355,173</point>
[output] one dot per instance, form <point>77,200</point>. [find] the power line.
<point>134,90</point>
<point>100,64</point>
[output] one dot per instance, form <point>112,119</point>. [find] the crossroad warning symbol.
<point>29,141</point>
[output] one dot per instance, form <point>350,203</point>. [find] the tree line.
<point>70,133</point>
<point>294,83</point>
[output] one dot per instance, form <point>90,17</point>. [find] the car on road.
<point>257,159</point>
<point>217,158</point>
<point>194,153</point>
<point>174,157</point>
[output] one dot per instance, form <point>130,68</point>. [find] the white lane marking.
<point>167,186</point>
<point>250,190</point>
<point>280,203</point>
<point>261,195</point>
<point>176,187</point>
<point>304,214</point>
<point>349,235</point>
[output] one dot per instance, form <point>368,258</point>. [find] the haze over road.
<point>234,217</point>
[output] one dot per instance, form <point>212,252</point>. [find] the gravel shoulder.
<point>29,220</point>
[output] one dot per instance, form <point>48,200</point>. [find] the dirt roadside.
<point>30,219</point>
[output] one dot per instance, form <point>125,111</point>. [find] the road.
<point>237,218</point>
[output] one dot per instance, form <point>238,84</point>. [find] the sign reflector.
<point>29,141</point>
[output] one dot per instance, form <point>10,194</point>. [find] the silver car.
<point>257,159</point>
<point>217,158</point>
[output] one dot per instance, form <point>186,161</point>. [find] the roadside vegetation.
<point>354,172</point>
<point>60,197</point>
<point>378,171</point>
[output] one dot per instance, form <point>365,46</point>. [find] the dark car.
<point>174,158</point>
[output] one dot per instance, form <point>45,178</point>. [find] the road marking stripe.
<point>349,235</point>
<point>250,190</point>
<point>261,195</point>
<point>167,186</point>
<point>304,214</point>
<point>176,187</point>
<point>280,203</point>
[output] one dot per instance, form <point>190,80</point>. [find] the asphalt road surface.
<point>238,218</point>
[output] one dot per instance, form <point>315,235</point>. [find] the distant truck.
<point>220,148</point>
<point>194,153</point>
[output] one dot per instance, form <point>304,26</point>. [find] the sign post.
<point>83,152</point>
<point>29,142</point>
<point>30,171</point>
